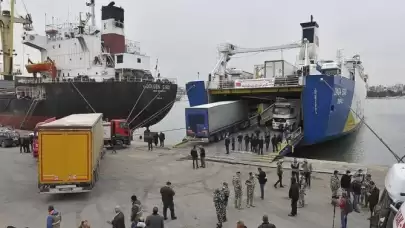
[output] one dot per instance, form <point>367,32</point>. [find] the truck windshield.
<point>123,125</point>
<point>281,111</point>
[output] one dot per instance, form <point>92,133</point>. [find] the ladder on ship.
<point>30,111</point>
<point>287,147</point>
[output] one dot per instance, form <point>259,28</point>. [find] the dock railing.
<point>96,78</point>
<point>289,81</point>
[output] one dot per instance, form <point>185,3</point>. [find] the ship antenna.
<point>312,18</point>
<point>92,5</point>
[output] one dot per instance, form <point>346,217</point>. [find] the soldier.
<point>247,139</point>
<point>237,185</point>
<point>250,189</point>
<point>303,186</point>
<point>295,170</point>
<point>366,189</point>
<point>226,191</point>
<point>219,207</point>
<point>334,186</point>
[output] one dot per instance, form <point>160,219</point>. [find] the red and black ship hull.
<point>149,102</point>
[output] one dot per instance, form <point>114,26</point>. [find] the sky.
<point>185,34</point>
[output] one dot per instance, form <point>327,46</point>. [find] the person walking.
<point>252,141</point>
<point>162,138</point>
<point>303,186</point>
<point>274,143</point>
<point>334,186</point>
<point>237,186</point>
<point>373,198</point>
<point>150,142</point>
<point>259,118</point>
<point>226,192</point>
<point>156,139</point>
<point>356,187</point>
<point>136,211</point>
<point>294,194</point>
<point>307,169</point>
<point>262,178</point>
<point>366,189</point>
<point>202,156</point>
<point>279,174</point>
<point>254,144</point>
<point>295,169</point>
<point>267,141</point>
<point>194,156</point>
<point>345,182</point>
<point>247,140</point>
<point>240,139</point>
<point>279,141</point>
<point>250,189</point>
<point>119,218</point>
<point>167,194</point>
<point>227,142</point>
<point>265,223</point>
<point>261,144</point>
<point>155,220</point>
<point>219,203</point>
<point>54,218</point>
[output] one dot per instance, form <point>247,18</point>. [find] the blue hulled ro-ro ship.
<point>321,99</point>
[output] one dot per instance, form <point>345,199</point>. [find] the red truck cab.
<point>119,132</point>
<point>35,148</point>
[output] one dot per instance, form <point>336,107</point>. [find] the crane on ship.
<point>7,21</point>
<point>227,50</point>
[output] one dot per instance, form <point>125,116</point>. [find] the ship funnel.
<point>310,32</point>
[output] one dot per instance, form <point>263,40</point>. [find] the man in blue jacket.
<point>54,218</point>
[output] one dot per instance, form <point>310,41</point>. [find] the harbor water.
<point>383,115</point>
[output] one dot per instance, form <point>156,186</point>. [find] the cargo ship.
<point>329,93</point>
<point>84,69</point>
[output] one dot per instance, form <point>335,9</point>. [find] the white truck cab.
<point>286,113</point>
<point>391,210</point>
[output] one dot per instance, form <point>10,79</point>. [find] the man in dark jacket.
<point>345,182</point>
<point>266,223</point>
<point>194,156</point>
<point>150,142</point>
<point>202,156</point>
<point>247,140</point>
<point>154,220</point>
<point>279,141</point>
<point>252,141</point>
<point>274,143</point>
<point>240,139</point>
<point>136,211</point>
<point>119,219</point>
<point>373,197</point>
<point>259,118</point>
<point>267,140</point>
<point>356,188</point>
<point>162,138</point>
<point>233,143</point>
<point>156,138</point>
<point>261,144</point>
<point>261,176</point>
<point>294,194</point>
<point>167,199</point>
<point>227,142</point>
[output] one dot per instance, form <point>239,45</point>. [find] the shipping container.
<point>213,121</point>
<point>279,68</point>
<point>70,150</point>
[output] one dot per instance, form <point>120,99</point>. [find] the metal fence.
<point>32,80</point>
<point>255,83</point>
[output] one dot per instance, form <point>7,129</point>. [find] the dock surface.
<point>136,170</point>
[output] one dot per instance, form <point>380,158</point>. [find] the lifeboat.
<point>47,66</point>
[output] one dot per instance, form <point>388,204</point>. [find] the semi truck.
<point>212,122</point>
<point>116,132</point>
<point>286,113</point>
<point>70,150</point>
<point>35,136</point>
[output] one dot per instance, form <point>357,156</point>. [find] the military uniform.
<point>219,204</point>
<point>250,189</point>
<point>334,186</point>
<point>226,193</point>
<point>237,185</point>
<point>303,186</point>
<point>365,190</point>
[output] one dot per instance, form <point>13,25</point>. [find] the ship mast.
<point>7,21</point>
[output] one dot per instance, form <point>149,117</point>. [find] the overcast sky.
<point>184,34</point>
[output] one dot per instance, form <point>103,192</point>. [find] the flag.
<point>157,62</point>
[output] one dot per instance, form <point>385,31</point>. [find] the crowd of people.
<point>358,189</point>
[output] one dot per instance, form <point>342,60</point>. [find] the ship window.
<point>59,45</point>
<point>53,46</point>
<point>332,108</point>
<point>308,33</point>
<point>139,60</point>
<point>120,58</point>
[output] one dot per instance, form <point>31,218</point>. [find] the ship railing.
<point>96,78</point>
<point>291,137</point>
<point>37,93</point>
<point>289,81</point>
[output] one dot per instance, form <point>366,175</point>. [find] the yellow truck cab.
<point>70,150</point>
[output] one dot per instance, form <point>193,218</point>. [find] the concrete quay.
<point>135,170</point>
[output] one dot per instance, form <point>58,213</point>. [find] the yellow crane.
<point>7,20</point>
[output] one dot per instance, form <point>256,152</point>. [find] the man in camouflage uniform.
<point>226,192</point>
<point>334,185</point>
<point>219,203</point>
<point>250,189</point>
<point>237,185</point>
<point>303,185</point>
<point>365,189</point>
